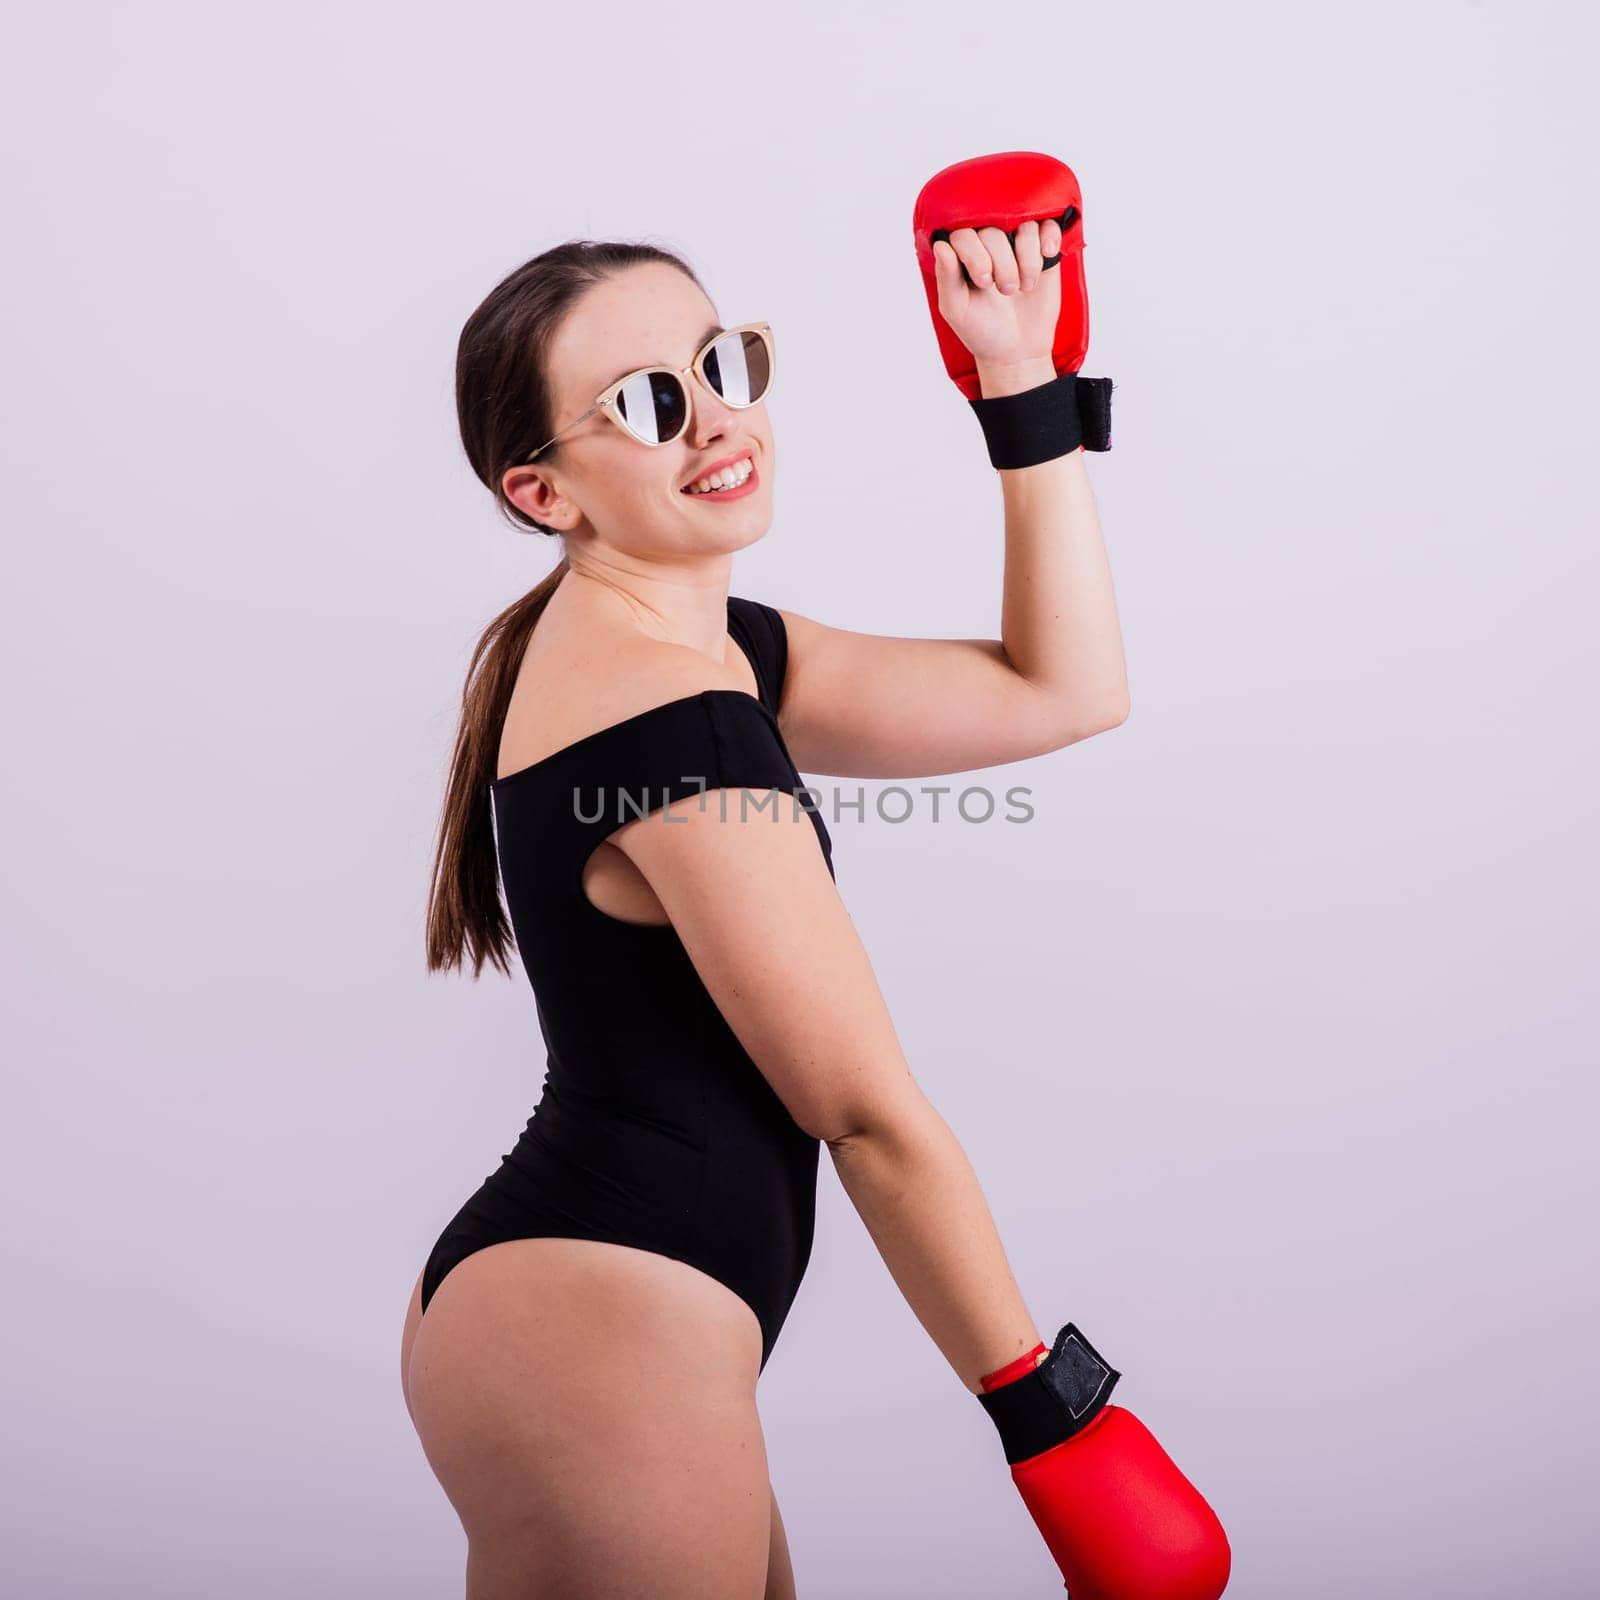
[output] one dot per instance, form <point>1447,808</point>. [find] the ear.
<point>533,493</point>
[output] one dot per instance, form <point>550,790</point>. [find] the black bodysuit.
<point>655,1128</point>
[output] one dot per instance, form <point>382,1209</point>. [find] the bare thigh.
<point>589,1410</point>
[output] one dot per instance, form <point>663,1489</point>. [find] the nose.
<point>709,413</point>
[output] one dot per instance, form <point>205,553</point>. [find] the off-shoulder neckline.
<point>589,739</point>
<point>733,603</point>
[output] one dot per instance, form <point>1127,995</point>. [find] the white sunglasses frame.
<point>606,400</point>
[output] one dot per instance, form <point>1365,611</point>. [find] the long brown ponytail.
<point>503,412</point>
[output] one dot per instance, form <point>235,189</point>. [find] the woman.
<point>581,1350</point>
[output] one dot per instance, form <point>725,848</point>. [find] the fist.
<point>1000,302</point>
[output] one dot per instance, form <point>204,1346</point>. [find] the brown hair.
<point>503,411</point>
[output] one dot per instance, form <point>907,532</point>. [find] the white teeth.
<point>728,478</point>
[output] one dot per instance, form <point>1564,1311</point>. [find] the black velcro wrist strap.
<point>1059,1398</point>
<point>1094,412</point>
<point>1051,419</point>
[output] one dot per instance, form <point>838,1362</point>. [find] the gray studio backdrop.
<point>1271,1036</point>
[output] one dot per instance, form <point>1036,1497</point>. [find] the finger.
<point>1049,237</point>
<point>1005,263</point>
<point>974,257</point>
<point>1029,256</point>
<point>947,269</point>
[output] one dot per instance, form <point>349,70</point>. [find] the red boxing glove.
<point>1003,191</point>
<point>1122,1522</point>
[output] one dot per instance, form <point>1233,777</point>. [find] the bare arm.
<point>873,705</point>
<point>750,897</point>
<point>913,1187</point>
<point>851,703</point>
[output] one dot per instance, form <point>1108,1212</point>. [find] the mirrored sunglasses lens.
<point>738,367</point>
<point>653,405</point>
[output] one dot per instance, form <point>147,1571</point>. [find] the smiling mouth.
<point>749,479</point>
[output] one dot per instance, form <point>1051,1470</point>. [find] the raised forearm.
<point>913,1187</point>
<point>1058,613</point>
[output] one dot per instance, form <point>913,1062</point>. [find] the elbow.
<point>843,1136</point>
<point>895,1119</point>
<point>1112,714</point>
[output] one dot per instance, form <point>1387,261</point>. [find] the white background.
<point>1271,1037</point>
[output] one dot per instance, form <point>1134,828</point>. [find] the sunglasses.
<point>652,404</point>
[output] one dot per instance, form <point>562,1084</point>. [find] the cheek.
<point>629,484</point>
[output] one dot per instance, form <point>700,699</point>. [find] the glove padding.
<point>1121,1520</point>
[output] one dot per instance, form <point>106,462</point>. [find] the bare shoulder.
<point>565,691</point>
<point>748,892</point>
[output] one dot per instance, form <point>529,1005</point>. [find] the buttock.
<point>590,1411</point>
<point>746,1228</point>
<point>460,1242</point>
<point>598,1284</point>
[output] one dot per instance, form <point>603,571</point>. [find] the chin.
<point>743,538</point>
